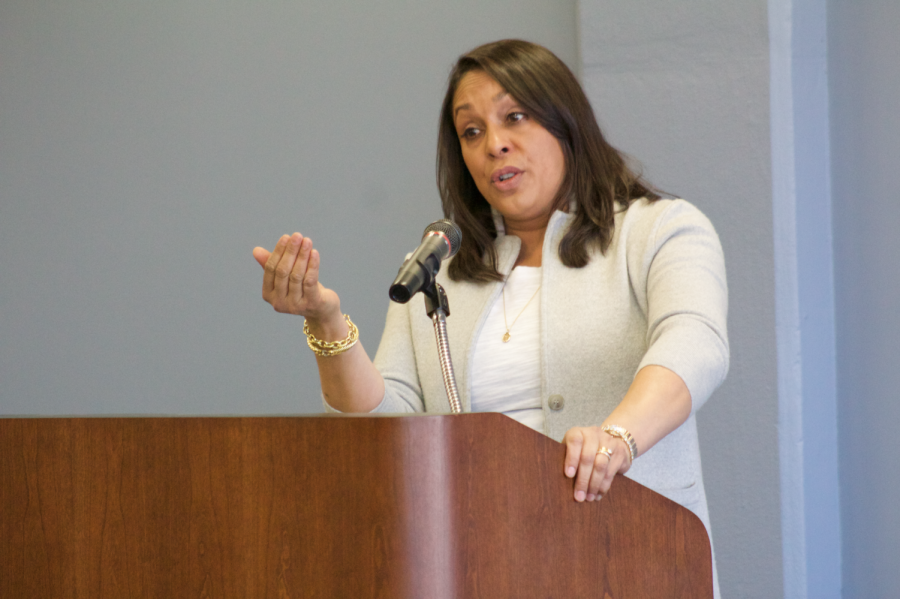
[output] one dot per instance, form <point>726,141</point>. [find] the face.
<point>517,165</point>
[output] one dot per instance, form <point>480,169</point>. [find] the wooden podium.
<point>419,507</point>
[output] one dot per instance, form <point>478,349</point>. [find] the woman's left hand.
<point>593,469</point>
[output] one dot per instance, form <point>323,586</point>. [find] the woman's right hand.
<point>350,382</point>
<point>291,281</point>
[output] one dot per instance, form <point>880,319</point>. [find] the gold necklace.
<point>506,335</point>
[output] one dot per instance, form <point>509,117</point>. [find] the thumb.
<point>261,255</point>
<point>311,280</point>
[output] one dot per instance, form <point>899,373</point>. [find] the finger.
<point>296,285</point>
<point>585,467</point>
<point>261,255</point>
<point>573,440</point>
<point>608,477</point>
<point>595,486</point>
<point>272,264</point>
<point>286,264</point>
<point>311,280</point>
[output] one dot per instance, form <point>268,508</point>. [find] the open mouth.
<point>503,175</point>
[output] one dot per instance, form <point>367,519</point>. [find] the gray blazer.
<point>657,296</point>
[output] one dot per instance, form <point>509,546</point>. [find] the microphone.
<point>440,241</point>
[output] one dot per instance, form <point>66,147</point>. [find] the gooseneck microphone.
<point>440,241</point>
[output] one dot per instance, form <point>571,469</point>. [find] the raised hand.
<point>291,280</point>
<point>350,382</point>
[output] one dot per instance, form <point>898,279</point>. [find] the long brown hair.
<point>596,173</point>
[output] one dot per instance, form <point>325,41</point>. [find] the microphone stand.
<point>438,308</point>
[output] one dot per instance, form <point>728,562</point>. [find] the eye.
<point>470,132</point>
<point>516,116</point>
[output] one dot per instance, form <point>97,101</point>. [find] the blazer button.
<point>556,402</point>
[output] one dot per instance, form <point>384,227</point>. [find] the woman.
<point>571,268</point>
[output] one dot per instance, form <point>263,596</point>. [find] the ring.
<point>605,451</point>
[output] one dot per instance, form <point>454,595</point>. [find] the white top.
<point>506,377</point>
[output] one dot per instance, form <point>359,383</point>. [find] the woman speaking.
<point>589,308</point>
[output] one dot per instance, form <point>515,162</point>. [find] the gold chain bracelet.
<point>614,430</point>
<point>331,348</point>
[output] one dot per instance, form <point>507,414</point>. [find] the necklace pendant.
<point>506,337</point>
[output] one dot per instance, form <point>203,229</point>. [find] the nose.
<point>497,141</point>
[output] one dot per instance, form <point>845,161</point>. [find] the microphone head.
<point>450,231</point>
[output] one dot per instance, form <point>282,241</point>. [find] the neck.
<point>532,243</point>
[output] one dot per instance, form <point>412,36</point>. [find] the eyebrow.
<point>496,98</point>
<point>461,107</point>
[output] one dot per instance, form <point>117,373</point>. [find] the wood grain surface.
<point>383,507</point>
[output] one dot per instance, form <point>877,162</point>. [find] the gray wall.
<point>865,140</point>
<point>147,147</point>
<point>144,150</point>
<point>684,87</point>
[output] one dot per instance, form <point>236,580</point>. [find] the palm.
<point>291,279</point>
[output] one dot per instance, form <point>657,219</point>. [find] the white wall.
<point>804,291</point>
